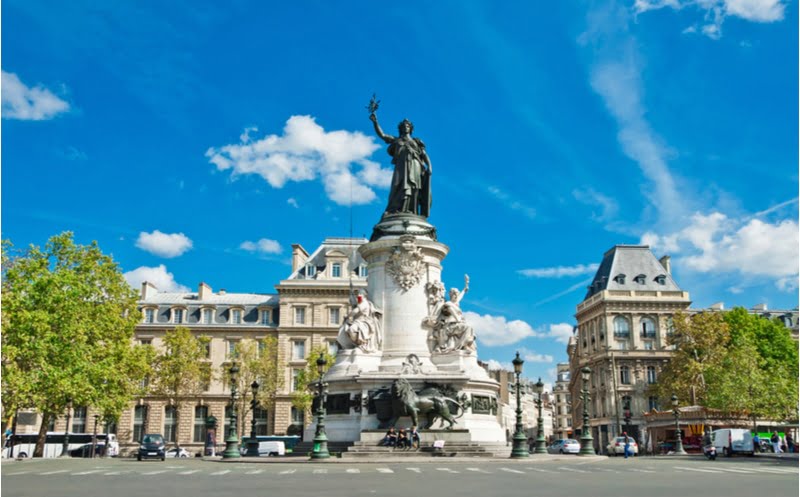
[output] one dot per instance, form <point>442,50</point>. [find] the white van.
<point>730,441</point>
<point>269,449</point>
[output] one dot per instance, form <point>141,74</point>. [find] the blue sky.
<point>196,141</point>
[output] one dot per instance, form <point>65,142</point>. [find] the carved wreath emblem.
<point>406,263</point>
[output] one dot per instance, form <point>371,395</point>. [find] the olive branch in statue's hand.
<point>373,106</point>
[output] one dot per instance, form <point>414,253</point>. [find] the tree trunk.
<point>40,440</point>
<point>177,426</point>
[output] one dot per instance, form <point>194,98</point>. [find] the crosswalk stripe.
<point>540,470</point>
<point>415,470</point>
<point>18,473</point>
<point>731,470</point>
<point>115,473</point>
<point>155,472</point>
<point>320,471</point>
<point>384,470</point>
<point>641,470</point>
<point>448,470</point>
<point>288,471</point>
<point>223,472</point>
<point>353,470</point>
<point>478,470</point>
<point>255,472</point>
<point>54,472</point>
<point>87,472</point>
<point>697,469</point>
<point>507,470</point>
<point>190,472</point>
<point>572,469</point>
<point>778,471</point>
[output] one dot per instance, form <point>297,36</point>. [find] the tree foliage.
<point>257,361</point>
<point>180,369</point>
<point>306,387</point>
<point>735,361</point>
<point>68,319</point>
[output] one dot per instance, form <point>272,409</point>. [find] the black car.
<point>152,447</point>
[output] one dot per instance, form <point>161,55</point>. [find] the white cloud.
<point>305,152</point>
<point>531,356</point>
<point>293,202</point>
<point>164,244</point>
<point>512,203</point>
<point>497,365</point>
<point>715,11</point>
<point>559,271</point>
<point>495,330</point>
<point>31,104</point>
<point>158,276</point>
<point>608,206</point>
<point>561,332</point>
<point>713,243</point>
<point>265,246</point>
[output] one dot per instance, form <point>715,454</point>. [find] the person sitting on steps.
<point>403,441</point>
<point>390,439</point>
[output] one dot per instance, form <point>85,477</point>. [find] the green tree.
<point>68,319</point>
<point>306,386</point>
<point>257,361</point>
<point>180,370</point>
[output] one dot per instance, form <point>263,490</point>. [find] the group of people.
<point>779,445</point>
<point>401,439</point>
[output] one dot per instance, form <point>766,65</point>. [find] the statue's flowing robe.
<point>409,179</point>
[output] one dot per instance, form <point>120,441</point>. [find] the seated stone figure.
<point>449,330</point>
<point>361,327</point>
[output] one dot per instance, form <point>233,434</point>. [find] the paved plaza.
<point>654,477</point>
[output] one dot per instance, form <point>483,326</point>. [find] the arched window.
<point>622,328</point>
<point>625,375</point>
<point>648,328</point>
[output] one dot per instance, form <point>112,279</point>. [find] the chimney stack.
<point>299,256</point>
<point>204,292</point>
<point>665,262</point>
<point>148,290</point>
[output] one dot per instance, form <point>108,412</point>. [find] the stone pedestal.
<point>403,257</point>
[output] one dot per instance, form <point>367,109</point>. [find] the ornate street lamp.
<point>320,438</point>
<point>252,444</point>
<point>541,444</point>
<point>232,442</point>
<point>519,448</point>
<point>94,436</point>
<point>65,445</point>
<point>587,448</point>
<point>678,442</point>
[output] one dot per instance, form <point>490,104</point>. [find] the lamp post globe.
<point>587,448</point>
<point>519,442</point>
<point>541,443</point>
<point>232,442</point>
<point>677,413</point>
<point>320,437</point>
<point>252,443</point>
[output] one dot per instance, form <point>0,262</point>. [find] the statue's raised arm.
<point>378,131</point>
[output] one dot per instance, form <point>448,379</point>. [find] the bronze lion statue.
<point>428,402</point>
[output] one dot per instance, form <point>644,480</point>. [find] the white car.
<point>175,452</point>
<point>617,446</point>
<point>564,446</point>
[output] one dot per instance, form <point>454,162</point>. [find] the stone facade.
<point>562,405</point>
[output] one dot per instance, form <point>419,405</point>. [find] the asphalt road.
<point>548,476</point>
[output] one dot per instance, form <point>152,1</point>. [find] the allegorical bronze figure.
<point>411,181</point>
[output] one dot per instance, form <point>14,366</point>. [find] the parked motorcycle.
<point>710,452</point>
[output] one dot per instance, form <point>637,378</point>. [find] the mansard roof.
<point>623,264</point>
<point>332,247</point>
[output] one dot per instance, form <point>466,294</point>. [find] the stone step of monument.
<point>303,448</point>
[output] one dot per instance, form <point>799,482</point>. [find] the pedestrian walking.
<point>627,443</point>
<point>776,442</point>
<point>756,443</point>
<point>790,442</point>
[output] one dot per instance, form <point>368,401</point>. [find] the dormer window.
<point>236,316</point>
<point>208,315</point>
<point>362,270</point>
<point>265,321</point>
<point>336,270</point>
<point>178,315</point>
<point>661,279</point>
<point>640,279</point>
<point>620,279</point>
<point>149,315</point>
<point>311,270</point>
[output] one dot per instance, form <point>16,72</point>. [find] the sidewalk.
<point>389,459</point>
